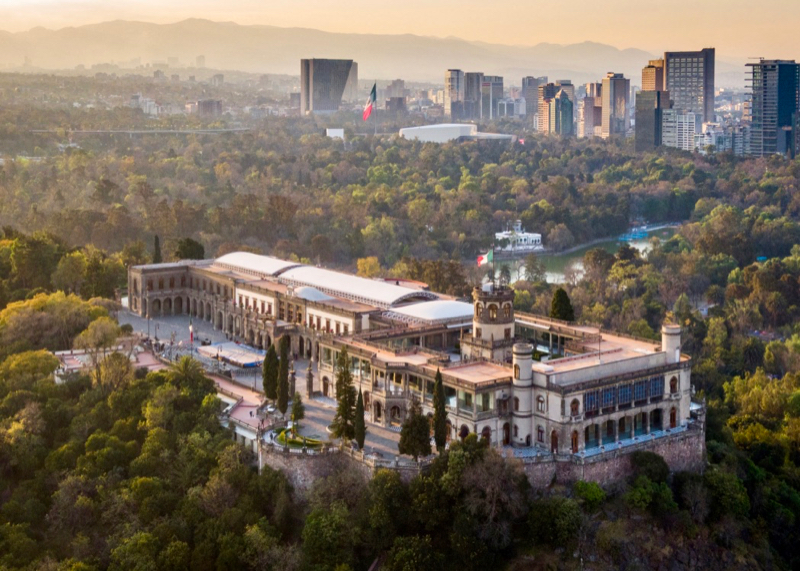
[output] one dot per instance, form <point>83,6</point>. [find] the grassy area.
<point>285,439</point>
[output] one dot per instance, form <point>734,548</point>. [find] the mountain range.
<point>270,49</point>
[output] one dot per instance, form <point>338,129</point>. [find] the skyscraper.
<point>775,100</point>
<point>678,128</point>
<point>653,76</point>
<point>560,114</point>
<point>322,84</point>
<point>530,92</point>
<point>689,78</point>
<point>473,80</point>
<point>615,119</point>
<point>454,93</point>
<point>491,94</point>
<point>546,93</point>
<point>650,106</point>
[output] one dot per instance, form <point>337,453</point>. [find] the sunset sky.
<point>737,28</point>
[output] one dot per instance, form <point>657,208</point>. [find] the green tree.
<point>343,425</point>
<point>70,273</point>
<point>328,537</point>
<point>188,249</point>
<point>412,553</point>
<point>534,268</point>
<point>283,375</point>
<point>360,427</point>
<point>505,274</point>
<point>298,411</point>
<point>439,413</point>
<point>561,307</point>
<point>269,373</point>
<point>157,259</point>
<point>415,435</point>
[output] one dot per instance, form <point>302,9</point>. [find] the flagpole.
<point>375,122</point>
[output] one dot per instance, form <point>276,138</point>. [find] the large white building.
<point>678,129</point>
<point>447,132</point>
<point>543,386</point>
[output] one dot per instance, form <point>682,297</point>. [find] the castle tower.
<point>492,324</point>
<point>671,342</point>
<point>522,404</point>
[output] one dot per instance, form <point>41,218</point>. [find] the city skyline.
<point>772,34</point>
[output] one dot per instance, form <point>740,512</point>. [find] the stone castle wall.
<point>685,451</point>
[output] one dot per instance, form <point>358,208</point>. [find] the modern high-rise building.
<point>775,86</point>
<point>323,83</point>
<point>396,88</point>
<point>472,94</point>
<point>650,106</point>
<point>546,93</point>
<point>689,78</point>
<point>678,128</point>
<point>653,76</point>
<point>615,119</point>
<point>560,119</point>
<point>454,93</point>
<point>530,92</point>
<point>491,94</point>
<point>350,94</point>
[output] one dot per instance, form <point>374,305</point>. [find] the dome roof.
<point>311,294</point>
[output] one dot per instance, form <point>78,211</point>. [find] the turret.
<point>671,342</point>
<point>522,405</point>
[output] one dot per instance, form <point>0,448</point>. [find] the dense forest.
<point>125,470</point>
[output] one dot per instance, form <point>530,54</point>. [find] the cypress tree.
<point>439,414</point>
<point>270,374</point>
<point>360,428</point>
<point>157,259</point>
<point>342,426</point>
<point>561,308</point>
<point>283,376</point>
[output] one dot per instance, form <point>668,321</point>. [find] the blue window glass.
<point>624,394</point>
<point>608,397</point>
<point>640,390</point>
<point>657,386</point>
<point>590,401</point>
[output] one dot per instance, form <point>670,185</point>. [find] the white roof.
<point>354,288</point>
<point>254,264</point>
<point>311,294</point>
<point>435,311</point>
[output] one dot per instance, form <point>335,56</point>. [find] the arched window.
<point>673,385</point>
<point>161,283</point>
<point>516,431</point>
<point>478,310</point>
<point>507,310</point>
<point>492,312</point>
<point>540,434</point>
<point>516,404</point>
<point>673,418</point>
<point>540,405</point>
<point>516,371</point>
<point>171,283</point>
<point>574,407</point>
<point>574,441</point>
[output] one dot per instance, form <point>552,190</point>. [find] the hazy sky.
<point>737,28</point>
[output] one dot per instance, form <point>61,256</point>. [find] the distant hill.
<point>269,49</point>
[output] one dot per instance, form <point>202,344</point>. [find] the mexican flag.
<point>486,258</point>
<point>373,96</point>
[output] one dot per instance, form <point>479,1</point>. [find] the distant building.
<point>217,80</point>
<point>530,92</point>
<point>689,78</point>
<point>775,86</point>
<point>158,74</point>
<point>518,240</point>
<point>546,93</point>
<point>491,94</point>
<point>396,88</point>
<point>445,132</point>
<point>209,107</point>
<point>678,129</point>
<point>322,84</point>
<point>653,76</point>
<point>472,94</point>
<point>335,133</point>
<point>650,106</point>
<point>350,94</point>
<point>590,115</point>
<point>396,106</point>
<point>453,93</point>
<point>510,107</point>
<point>200,62</point>
<point>615,119</point>
<point>559,112</point>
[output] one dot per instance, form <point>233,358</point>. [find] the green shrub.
<point>590,493</point>
<point>555,521</point>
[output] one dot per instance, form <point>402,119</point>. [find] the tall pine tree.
<point>343,425</point>
<point>360,427</point>
<point>270,374</point>
<point>561,308</point>
<point>439,414</point>
<point>283,376</point>
<point>157,259</point>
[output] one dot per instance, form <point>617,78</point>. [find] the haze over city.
<point>730,25</point>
